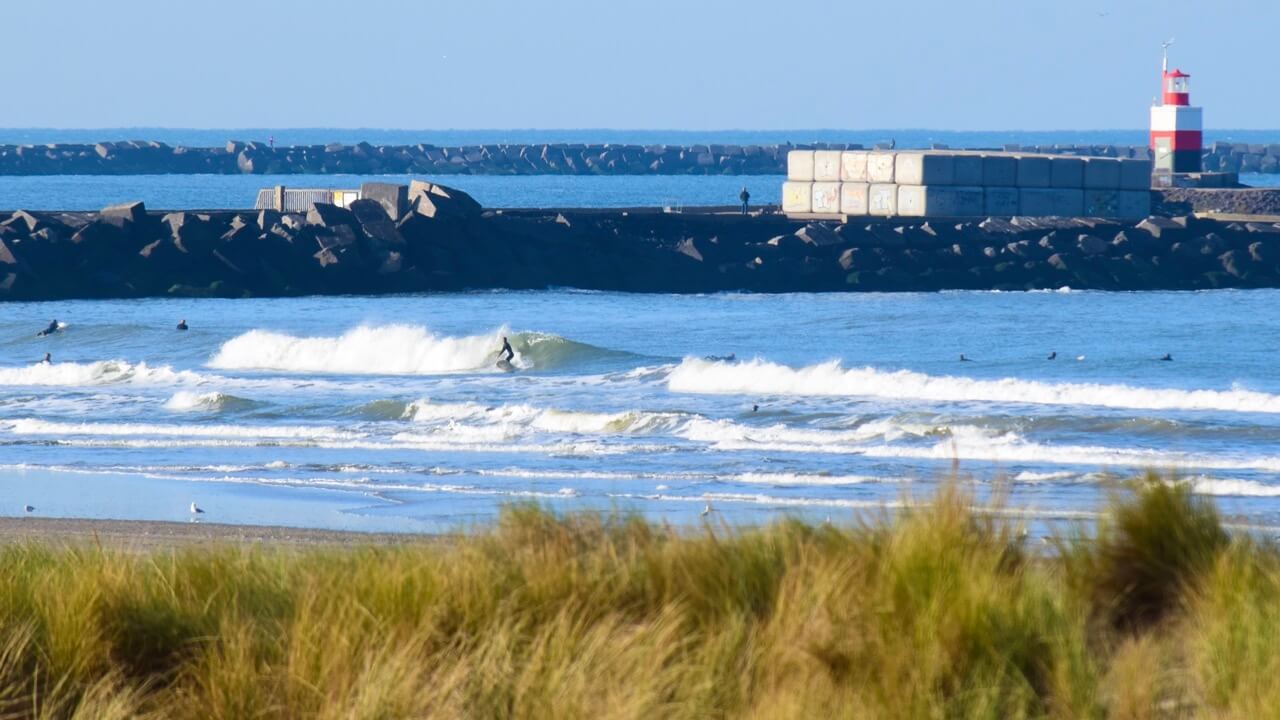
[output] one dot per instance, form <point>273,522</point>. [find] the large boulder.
<point>119,215</point>
<point>330,216</point>
<point>438,201</point>
<point>393,198</point>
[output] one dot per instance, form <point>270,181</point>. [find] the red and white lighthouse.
<point>1176,126</point>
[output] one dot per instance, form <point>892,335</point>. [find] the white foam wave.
<point>103,372</point>
<point>44,427</point>
<point>505,421</point>
<point>759,377</point>
<point>1238,488</point>
<point>801,479</point>
<point>383,350</point>
<point>186,401</point>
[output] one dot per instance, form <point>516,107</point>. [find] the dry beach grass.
<point>942,610</point>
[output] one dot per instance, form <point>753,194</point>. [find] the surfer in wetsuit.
<point>1167,358</point>
<point>964,359</point>
<point>506,350</point>
<point>182,324</point>
<point>53,328</point>
<point>48,359</point>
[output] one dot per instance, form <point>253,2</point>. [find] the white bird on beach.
<point>195,510</point>
<point>707,510</point>
<point>28,508</point>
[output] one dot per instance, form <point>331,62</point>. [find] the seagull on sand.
<point>707,510</point>
<point>195,510</point>
<point>28,508</point>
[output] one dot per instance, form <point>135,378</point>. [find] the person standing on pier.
<point>745,197</point>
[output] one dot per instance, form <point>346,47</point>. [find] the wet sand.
<point>154,535</point>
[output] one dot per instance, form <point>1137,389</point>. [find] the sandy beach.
<point>153,535</point>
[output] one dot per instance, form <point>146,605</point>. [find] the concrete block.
<point>853,166</point>
<point>882,199</point>
<point>967,170</point>
<point>854,198</point>
<point>1102,203</point>
<point>826,166</point>
<point>1133,204</point>
<point>797,197</point>
<point>1135,174</point>
<point>394,198</point>
<point>1102,173</point>
<point>939,201</point>
<point>880,167</point>
<point>1000,201</point>
<point>826,197</point>
<point>800,165</point>
<point>999,171</point>
<point>923,168</point>
<point>1034,171</point>
<point>1050,202</point>
<point>1066,172</point>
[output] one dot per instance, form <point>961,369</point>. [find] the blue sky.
<point>686,64</point>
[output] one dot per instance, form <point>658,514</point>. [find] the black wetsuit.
<point>506,350</point>
<point>182,325</point>
<point>53,328</point>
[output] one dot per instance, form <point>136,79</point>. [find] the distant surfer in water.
<point>48,359</point>
<point>1167,358</point>
<point>53,328</point>
<point>507,351</point>
<point>731,357</point>
<point>1053,355</point>
<point>182,324</point>
<point>964,359</point>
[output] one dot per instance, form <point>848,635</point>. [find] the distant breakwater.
<point>434,238</point>
<point>148,157</point>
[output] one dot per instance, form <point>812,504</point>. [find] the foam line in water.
<point>759,377</point>
<point>103,372</point>
<point>28,426</point>
<point>186,401</point>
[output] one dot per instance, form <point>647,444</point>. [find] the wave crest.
<point>759,377</point>
<point>102,372</point>
<point>393,350</point>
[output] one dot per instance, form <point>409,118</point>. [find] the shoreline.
<point>161,534</point>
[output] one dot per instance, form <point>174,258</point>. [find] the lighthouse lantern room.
<point>1176,126</point>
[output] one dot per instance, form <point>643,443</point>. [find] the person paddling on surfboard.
<point>53,328</point>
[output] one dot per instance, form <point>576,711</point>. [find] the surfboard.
<point>505,366</point>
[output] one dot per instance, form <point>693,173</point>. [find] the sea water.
<point>389,414</point>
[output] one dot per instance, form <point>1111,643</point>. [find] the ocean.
<point>388,413</point>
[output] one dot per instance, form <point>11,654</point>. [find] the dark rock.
<point>392,197</point>
<point>818,235</point>
<point>436,201</point>
<point>1091,245</point>
<point>330,216</point>
<point>133,212</point>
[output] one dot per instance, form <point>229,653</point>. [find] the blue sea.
<point>389,413</point>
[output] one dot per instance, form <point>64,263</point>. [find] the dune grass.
<point>939,611</point>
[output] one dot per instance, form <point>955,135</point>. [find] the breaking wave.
<point>102,372</point>
<point>186,401</point>
<point>394,350</point>
<point>758,377</point>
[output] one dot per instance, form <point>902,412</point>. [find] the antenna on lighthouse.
<point>1164,49</point>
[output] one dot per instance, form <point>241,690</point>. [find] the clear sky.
<point>680,64</point>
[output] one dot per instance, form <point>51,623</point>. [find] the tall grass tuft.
<point>938,610</point>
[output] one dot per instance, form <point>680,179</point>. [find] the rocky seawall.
<point>435,239</point>
<point>141,157</point>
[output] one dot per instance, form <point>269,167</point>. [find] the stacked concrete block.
<point>1066,172</point>
<point>797,197</point>
<point>1135,174</point>
<point>826,166</point>
<point>919,168</point>
<point>967,169</point>
<point>1102,173</point>
<point>882,199</point>
<point>800,165</point>
<point>1034,171</point>
<point>880,167</point>
<point>940,201</point>
<point>854,197</point>
<point>853,166</point>
<point>826,197</point>
<point>1000,201</point>
<point>945,183</point>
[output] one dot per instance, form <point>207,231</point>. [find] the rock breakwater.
<point>436,239</point>
<point>236,157</point>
